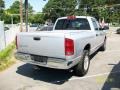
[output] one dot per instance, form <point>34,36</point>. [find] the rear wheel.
<point>82,67</point>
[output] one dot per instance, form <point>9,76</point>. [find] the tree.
<point>6,17</point>
<point>15,11</point>
<point>2,5</point>
<point>36,18</point>
<point>111,2</point>
<point>97,8</point>
<point>57,8</point>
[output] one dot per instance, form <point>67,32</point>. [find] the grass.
<point>6,57</point>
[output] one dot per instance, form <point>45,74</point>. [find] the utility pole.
<point>21,17</point>
<point>26,14</point>
<point>12,20</point>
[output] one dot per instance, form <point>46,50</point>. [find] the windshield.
<point>76,24</point>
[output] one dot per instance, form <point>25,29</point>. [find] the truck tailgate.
<point>43,44</point>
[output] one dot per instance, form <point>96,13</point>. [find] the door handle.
<point>36,38</point>
<point>97,34</point>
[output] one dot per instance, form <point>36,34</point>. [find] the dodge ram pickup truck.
<point>68,46</point>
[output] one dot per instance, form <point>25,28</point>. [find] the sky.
<point>37,4</point>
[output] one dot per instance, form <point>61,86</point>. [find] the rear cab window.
<point>72,24</point>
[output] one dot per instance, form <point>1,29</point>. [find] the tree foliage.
<point>2,5</point>
<point>36,18</point>
<point>57,8</point>
<point>13,11</point>
<point>97,8</point>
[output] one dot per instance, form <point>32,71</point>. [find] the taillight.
<point>16,42</point>
<point>69,47</point>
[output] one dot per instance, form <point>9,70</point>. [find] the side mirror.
<point>106,27</point>
<point>101,29</point>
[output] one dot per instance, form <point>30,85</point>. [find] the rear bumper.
<point>51,62</point>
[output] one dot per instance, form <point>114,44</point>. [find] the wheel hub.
<point>86,62</point>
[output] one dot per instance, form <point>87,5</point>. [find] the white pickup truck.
<point>69,45</point>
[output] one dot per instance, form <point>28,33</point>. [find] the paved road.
<point>104,74</point>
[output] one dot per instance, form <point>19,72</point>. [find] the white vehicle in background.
<point>69,45</point>
<point>45,28</point>
<point>33,27</point>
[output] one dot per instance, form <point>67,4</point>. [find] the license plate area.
<point>23,56</point>
<point>40,59</point>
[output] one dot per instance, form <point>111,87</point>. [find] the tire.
<point>80,69</point>
<point>103,47</point>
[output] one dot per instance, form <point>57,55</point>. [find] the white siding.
<point>8,36</point>
<point>2,39</point>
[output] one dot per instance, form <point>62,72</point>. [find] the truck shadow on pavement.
<point>53,76</point>
<point>45,74</point>
<point>113,80</point>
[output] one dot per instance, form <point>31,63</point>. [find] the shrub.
<point>6,58</point>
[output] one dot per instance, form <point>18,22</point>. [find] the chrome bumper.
<point>51,62</point>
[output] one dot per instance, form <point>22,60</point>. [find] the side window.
<point>95,24</point>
